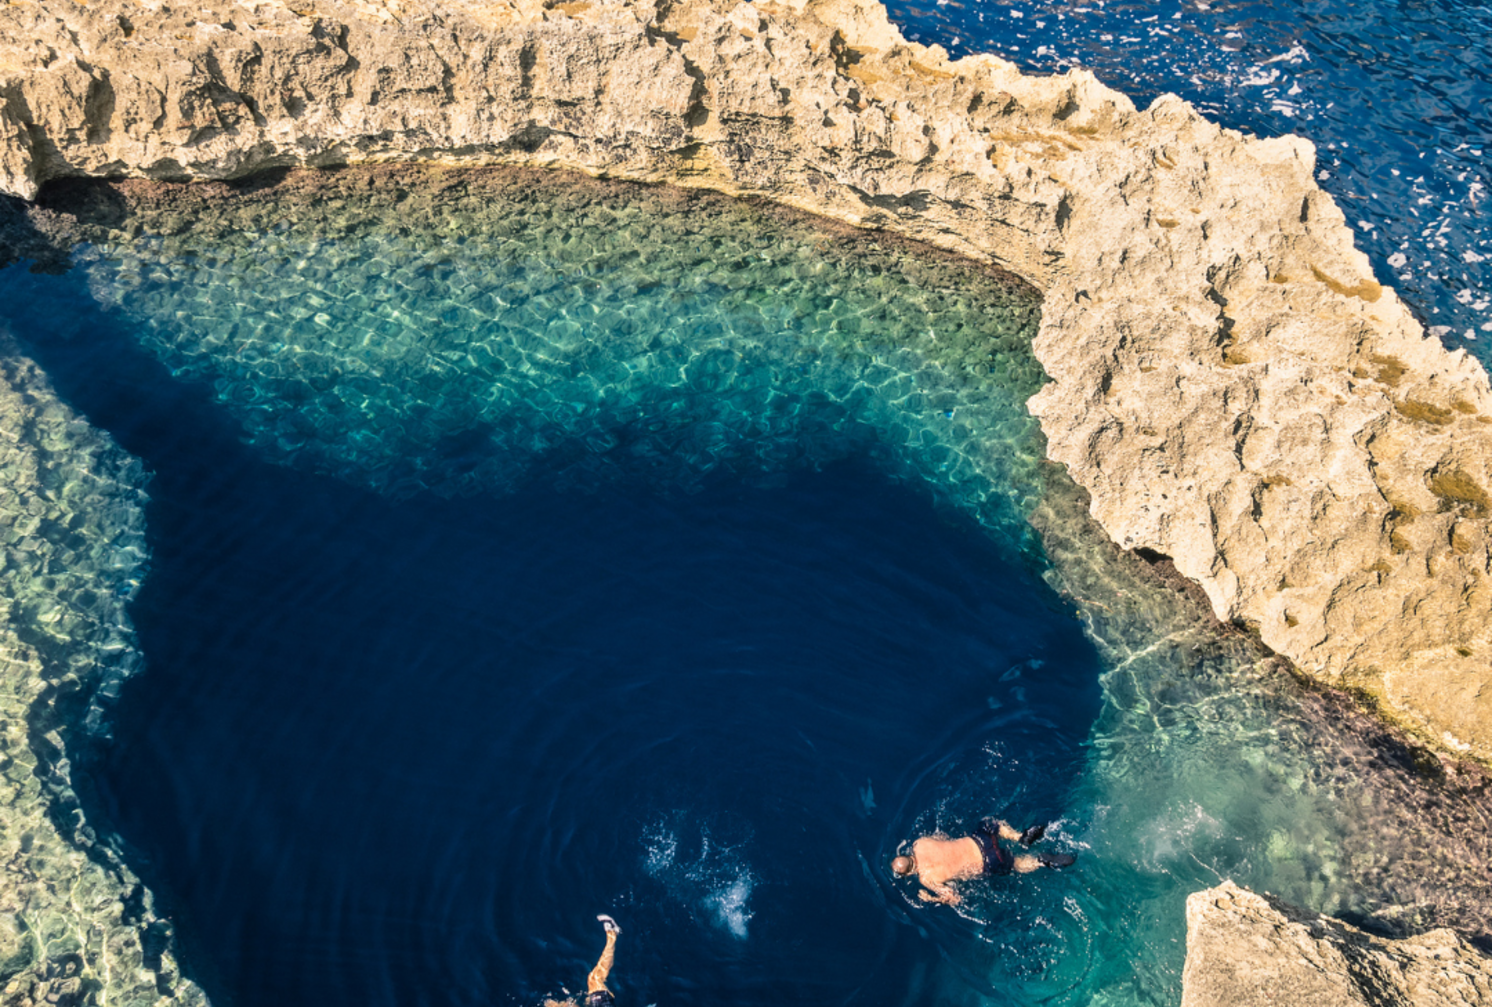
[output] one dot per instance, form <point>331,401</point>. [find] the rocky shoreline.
<point>1229,384</point>
<point>1244,948</point>
<point>1241,402</point>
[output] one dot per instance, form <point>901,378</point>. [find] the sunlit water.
<point>527,547</point>
<point>1397,97</point>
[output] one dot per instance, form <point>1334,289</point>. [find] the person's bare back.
<point>938,861</point>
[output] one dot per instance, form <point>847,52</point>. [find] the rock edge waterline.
<point>1229,384</point>
<point>193,221</point>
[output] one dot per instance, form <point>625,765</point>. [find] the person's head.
<point>902,866</point>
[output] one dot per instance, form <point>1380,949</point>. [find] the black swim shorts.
<point>997,860</point>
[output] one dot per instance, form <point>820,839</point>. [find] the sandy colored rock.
<point>1229,383</point>
<point>1244,949</point>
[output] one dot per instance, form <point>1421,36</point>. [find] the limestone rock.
<point>1244,949</point>
<point>1229,383</point>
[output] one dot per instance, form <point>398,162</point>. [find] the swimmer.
<point>596,993</point>
<point>937,861</point>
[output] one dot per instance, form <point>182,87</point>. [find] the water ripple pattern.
<point>444,339</point>
<point>73,919</point>
<point>462,338</point>
<point>1396,96</point>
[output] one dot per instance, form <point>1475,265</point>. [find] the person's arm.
<point>939,893</point>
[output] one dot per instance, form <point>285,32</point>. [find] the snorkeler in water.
<point>596,993</point>
<point>937,861</point>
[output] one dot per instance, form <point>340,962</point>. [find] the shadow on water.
<point>402,751</point>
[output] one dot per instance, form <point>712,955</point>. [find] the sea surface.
<point>526,547</point>
<point>1397,97</point>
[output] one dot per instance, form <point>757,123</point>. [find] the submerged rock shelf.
<point>1232,394</point>
<point>447,330</point>
<point>74,920</point>
<point>425,329</point>
<point>1229,384</point>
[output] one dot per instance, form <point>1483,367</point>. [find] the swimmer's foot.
<point>609,924</point>
<point>1056,859</point>
<point>1032,834</point>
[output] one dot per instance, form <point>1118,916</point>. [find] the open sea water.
<point>1397,97</point>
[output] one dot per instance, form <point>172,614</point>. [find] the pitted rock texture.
<point>1244,949</point>
<point>1229,383</point>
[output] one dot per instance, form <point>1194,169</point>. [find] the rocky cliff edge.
<point>1243,948</point>
<point>1229,383</point>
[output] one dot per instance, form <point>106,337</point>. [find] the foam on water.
<point>707,876</point>
<point>463,335</point>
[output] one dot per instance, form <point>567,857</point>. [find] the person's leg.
<point>1007,832</point>
<point>1025,863</point>
<point>596,981</point>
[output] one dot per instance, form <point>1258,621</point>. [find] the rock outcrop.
<point>1229,383</point>
<point>1243,949</point>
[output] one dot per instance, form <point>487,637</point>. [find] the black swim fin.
<point>1056,859</point>
<point>1032,834</point>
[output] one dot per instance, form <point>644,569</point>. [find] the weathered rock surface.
<point>1244,949</point>
<point>1229,383</point>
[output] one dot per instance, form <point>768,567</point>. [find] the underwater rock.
<point>1229,383</point>
<point>468,331</point>
<point>1243,948</point>
<point>579,327</point>
<point>75,923</point>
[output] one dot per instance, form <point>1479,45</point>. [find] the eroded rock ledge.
<point>1228,382</point>
<point>1243,948</point>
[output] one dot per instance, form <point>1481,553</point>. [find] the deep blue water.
<point>646,552</point>
<point>524,547</point>
<point>1396,94</point>
<point>402,752</point>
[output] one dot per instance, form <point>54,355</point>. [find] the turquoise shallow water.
<point>497,357</point>
<point>448,346</point>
